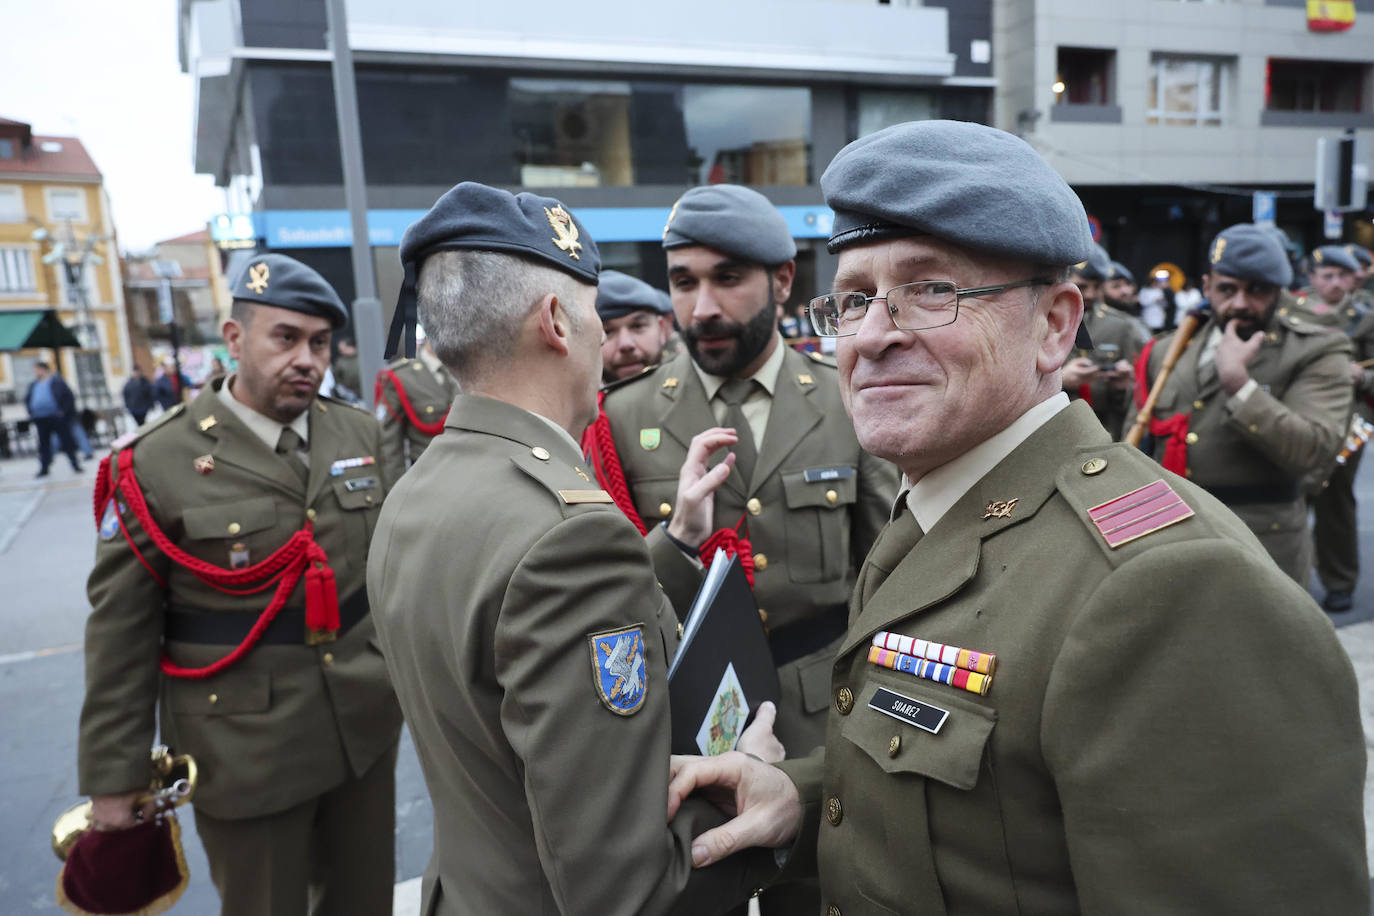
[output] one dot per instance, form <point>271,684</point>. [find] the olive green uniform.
<point>816,502</point>
<point>1335,523</point>
<point>1113,327</point>
<point>1172,725</point>
<point>346,372</point>
<point>289,724</point>
<point>430,391</point>
<point>1254,455</point>
<point>547,797</point>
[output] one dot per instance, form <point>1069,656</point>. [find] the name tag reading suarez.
<point>811,475</point>
<point>913,712</point>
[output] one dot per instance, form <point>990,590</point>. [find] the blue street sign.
<point>1262,209</point>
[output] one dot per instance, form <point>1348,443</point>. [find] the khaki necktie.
<point>734,393</point>
<point>289,446</point>
<point>893,544</point>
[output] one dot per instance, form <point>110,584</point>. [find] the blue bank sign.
<point>330,228</point>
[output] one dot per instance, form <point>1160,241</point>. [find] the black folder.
<point>723,670</point>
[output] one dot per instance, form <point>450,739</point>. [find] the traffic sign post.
<point>1263,207</point>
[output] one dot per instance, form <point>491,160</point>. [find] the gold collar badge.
<point>257,278</point>
<point>1000,508</point>
<point>565,231</point>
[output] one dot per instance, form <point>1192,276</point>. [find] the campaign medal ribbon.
<point>962,678</point>
<point>968,659</point>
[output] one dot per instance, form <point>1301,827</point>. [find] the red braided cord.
<point>285,566</point>
<point>729,540</point>
<point>102,491</point>
<point>1142,370</point>
<point>599,445</point>
<point>1174,429</point>
<point>429,429</point>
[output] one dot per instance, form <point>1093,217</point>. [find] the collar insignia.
<point>1000,508</point>
<point>208,422</point>
<point>564,231</point>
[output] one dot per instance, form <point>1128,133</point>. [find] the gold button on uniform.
<point>894,745</point>
<point>1198,405</point>
<point>214,698</point>
<point>1254,428</point>
<point>754,506</point>
<point>760,562</point>
<point>368,498</point>
<point>832,497</point>
<point>310,514</point>
<point>1190,438</point>
<point>429,409</point>
<point>328,659</point>
<point>540,452</point>
<point>665,510</point>
<point>833,812</point>
<point>1094,466</point>
<point>844,700</point>
<point>235,527</point>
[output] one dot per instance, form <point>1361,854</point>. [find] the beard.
<point>751,339</point>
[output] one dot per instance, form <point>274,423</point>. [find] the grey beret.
<point>1335,256</point>
<point>275,279</point>
<point>477,217</point>
<point>1098,265</point>
<point>620,294</point>
<point>732,219</point>
<point>972,185</point>
<point>1120,271</point>
<point>1361,254</point>
<point>1247,252</point>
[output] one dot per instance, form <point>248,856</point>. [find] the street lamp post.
<point>75,257</point>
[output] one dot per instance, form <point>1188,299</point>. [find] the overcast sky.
<point>107,73</point>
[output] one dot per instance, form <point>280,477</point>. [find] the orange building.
<point>52,194</point>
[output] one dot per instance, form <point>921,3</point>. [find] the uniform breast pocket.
<point>360,496</point>
<point>654,498</point>
<point>233,535</point>
<point>818,503</point>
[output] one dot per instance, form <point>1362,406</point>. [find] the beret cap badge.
<point>258,275</point>
<point>565,232</point>
<point>1218,250</point>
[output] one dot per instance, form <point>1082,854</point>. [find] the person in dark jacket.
<point>138,395</point>
<point>50,403</point>
<point>165,388</point>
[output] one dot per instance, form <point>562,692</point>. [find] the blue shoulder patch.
<point>109,522</point>
<point>618,669</point>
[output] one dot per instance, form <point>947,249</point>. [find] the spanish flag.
<point>1330,15</point>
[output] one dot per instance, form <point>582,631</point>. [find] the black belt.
<point>286,629</point>
<point>797,640</point>
<point>1249,496</point>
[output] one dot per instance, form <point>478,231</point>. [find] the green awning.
<point>31,328</point>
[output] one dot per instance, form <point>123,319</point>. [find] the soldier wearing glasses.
<point>1258,401</point>
<point>1146,715</point>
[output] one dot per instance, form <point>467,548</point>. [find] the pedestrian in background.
<point>138,395</point>
<point>167,387</point>
<point>51,404</point>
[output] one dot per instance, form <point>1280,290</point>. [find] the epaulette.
<point>338,402</point>
<point>401,362</point>
<point>1296,324</point>
<point>160,420</point>
<point>1123,497</point>
<point>622,382</point>
<point>571,485</point>
<point>821,358</point>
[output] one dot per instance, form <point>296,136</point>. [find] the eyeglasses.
<point>913,306</point>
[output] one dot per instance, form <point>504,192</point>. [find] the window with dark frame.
<point>1086,76</point>
<point>1316,86</point>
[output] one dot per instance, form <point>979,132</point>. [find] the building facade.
<point>51,195</point>
<point>200,303</point>
<point>1166,115</point>
<point>612,106</point>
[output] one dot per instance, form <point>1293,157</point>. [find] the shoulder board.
<point>570,485</point>
<point>160,420</point>
<point>821,358</point>
<point>401,362</point>
<point>1298,325</point>
<point>622,382</point>
<point>336,402</point>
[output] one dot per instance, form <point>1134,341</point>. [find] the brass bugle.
<point>164,792</point>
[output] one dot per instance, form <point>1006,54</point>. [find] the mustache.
<point>713,327</point>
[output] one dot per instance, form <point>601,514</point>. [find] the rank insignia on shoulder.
<point>1138,513</point>
<point>650,438</point>
<point>618,669</point>
<point>109,522</point>
<point>578,497</point>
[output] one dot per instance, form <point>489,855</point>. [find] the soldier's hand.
<point>1078,371</point>
<point>1357,373</point>
<point>758,739</point>
<point>1122,375</point>
<point>1234,355</point>
<point>764,801</point>
<point>696,486</point>
<point>117,812</point>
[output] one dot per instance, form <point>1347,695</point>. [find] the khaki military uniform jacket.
<point>402,443</point>
<point>287,722</point>
<point>1255,454</point>
<point>811,512</point>
<point>1172,725</point>
<point>498,571</point>
<point>1111,326</point>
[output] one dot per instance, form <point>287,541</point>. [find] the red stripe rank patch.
<point>1138,513</point>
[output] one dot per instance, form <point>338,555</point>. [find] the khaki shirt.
<point>1150,706</point>
<point>319,714</point>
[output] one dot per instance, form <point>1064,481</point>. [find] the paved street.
<point>45,550</point>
